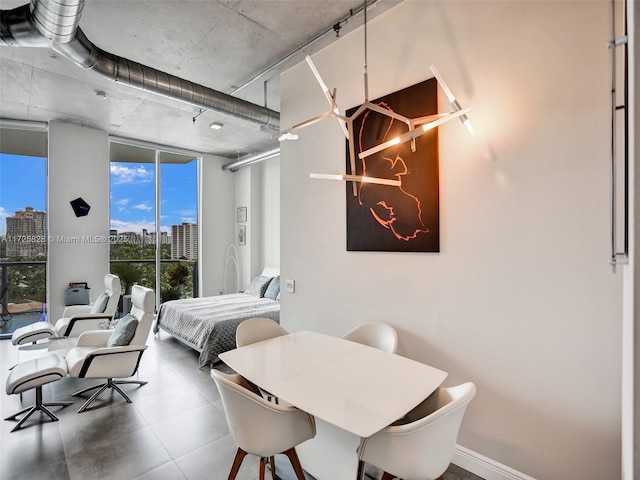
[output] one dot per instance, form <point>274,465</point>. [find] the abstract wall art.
<point>401,218</point>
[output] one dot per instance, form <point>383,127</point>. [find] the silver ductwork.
<point>18,29</point>
<point>57,20</point>
<point>84,53</point>
<point>54,23</point>
<point>249,159</point>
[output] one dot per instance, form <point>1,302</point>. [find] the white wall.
<point>631,329</point>
<point>243,193</point>
<point>217,220</point>
<point>79,246</point>
<point>520,299</point>
<point>257,187</point>
<point>270,212</point>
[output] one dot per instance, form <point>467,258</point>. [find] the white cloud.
<point>124,175</point>
<point>189,215</point>
<point>122,204</point>
<point>143,206</point>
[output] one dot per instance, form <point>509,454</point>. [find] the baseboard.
<point>485,467</point>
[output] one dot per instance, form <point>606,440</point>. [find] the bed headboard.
<point>270,271</point>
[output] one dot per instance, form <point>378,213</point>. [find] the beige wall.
<point>520,299</point>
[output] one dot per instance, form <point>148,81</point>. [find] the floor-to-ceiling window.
<point>23,233</point>
<point>154,225</point>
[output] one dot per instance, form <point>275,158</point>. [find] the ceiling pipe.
<point>54,23</point>
<point>57,20</point>
<point>84,53</point>
<point>248,160</point>
<point>17,29</point>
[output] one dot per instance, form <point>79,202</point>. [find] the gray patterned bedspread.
<point>209,324</point>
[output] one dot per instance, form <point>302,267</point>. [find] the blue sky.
<point>23,182</point>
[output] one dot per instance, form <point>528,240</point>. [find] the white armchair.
<point>75,318</point>
<point>420,445</point>
<point>260,427</point>
<point>94,357</point>
<point>82,318</point>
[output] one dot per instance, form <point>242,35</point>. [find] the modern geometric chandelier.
<point>415,126</point>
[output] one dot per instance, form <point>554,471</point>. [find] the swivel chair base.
<point>111,383</point>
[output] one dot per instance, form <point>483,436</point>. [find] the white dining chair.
<point>257,329</point>
<point>420,445</point>
<point>260,427</point>
<point>375,334</point>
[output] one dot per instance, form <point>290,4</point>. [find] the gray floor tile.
<point>168,403</point>
<point>99,428</point>
<point>124,458</point>
<point>56,470</point>
<point>168,471</point>
<point>214,460</point>
<point>26,450</point>
<point>191,430</point>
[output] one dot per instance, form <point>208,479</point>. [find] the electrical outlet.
<point>290,285</point>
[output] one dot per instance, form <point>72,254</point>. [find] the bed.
<point>208,324</point>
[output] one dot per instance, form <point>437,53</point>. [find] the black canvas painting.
<point>391,218</point>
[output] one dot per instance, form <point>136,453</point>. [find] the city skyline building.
<point>184,241</point>
<point>144,238</point>
<point>26,233</point>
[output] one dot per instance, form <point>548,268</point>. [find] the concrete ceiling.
<point>219,44</point>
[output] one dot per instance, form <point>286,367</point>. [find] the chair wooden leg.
<point>360,475</point>
<point>262,462</point>
<point>240,454</point>
<point>272,461</point>
<point>387,476</point>
<point>295,462</point>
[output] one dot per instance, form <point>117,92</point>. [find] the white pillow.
<point>100,304</point>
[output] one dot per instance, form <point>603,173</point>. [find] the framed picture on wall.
<point>242,214</point>
<point>242,234</point>
<point>382,218</point>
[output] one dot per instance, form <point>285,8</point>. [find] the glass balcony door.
<point>23,240</point>
<point>154,225</point>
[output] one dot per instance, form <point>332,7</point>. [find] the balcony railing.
<point>26,281</point>
<point>27,285</point>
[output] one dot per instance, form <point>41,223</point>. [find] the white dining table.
<point>355,387</point>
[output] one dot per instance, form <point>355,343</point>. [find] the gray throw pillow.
<point>124,331</point>
<point>273,289</point>
<point>258,286</point>
<point>100,304</point>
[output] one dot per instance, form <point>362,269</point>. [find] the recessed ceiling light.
<point>101,94</point>
<point>216,125</point>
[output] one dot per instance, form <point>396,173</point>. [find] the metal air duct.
<point>248,160</point>
<point>17,28</point>
<point>54,23</point>
<point>57,20</point>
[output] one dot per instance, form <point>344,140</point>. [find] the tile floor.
<point>175,428</point>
